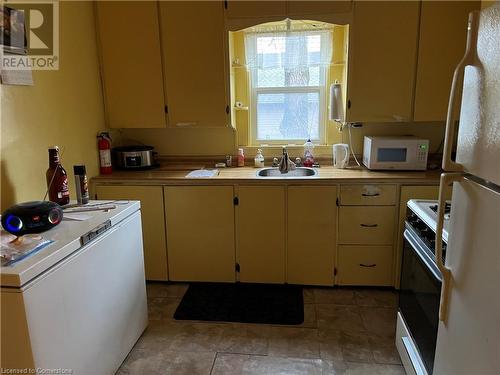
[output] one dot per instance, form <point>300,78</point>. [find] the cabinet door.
<point>312,217</point>
<point>366,225</point>
<point>382,58</point>
<point>255,9</point>
<point>302,8</point>
<point>200,233</point>
<point>194,62</point>
<point>131,66</point>
<point>153,223</point>
<point>443,34</point>
<point>365,265</point>
<point>261,234</point>
<point>368,195</point>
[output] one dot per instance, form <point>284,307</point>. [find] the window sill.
<point>274,150</point>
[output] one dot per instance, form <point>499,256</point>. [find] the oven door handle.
<point>418,248</point>
<point>446,180</point>
<point>414,358</point>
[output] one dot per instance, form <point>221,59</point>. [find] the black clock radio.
<point>31,217</point>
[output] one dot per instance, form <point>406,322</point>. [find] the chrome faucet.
<point>286,164</point>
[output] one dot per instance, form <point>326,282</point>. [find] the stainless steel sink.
<point>297,172</point>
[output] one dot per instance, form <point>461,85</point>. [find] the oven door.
<point>419,296</point>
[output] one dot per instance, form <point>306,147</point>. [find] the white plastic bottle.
<point>259,159</point>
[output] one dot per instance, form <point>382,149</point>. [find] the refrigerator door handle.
<point>458,75</point>
<point>446,180</point>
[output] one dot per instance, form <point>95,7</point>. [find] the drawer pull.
<point>368,265</point>
<point>369,225</point>
<point>370,194</point>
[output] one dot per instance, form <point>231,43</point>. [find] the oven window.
<point>419,299</point>
<point>391,154</point>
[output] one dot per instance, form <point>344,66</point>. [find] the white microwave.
<point>400,153</point>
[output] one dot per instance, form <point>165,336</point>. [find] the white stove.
<point>426,211</point>
<point>420,287</point>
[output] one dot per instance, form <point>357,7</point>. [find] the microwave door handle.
<point>458,75</point>
<point>445,181</point>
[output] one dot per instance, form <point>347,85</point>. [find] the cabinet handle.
<point>369,225</point>
<point>370,195</point>
<point>368,265</point>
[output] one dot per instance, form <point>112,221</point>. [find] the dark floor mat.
<point>243,303</point>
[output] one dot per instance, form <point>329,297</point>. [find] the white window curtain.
<point>288,71</point>
<point>288,49</point>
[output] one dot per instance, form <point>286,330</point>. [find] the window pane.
<point>288,61</point>
<point>279,77</point>
<point>270,78</point>
<point>282,116</point>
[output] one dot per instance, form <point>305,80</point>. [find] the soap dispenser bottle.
<point>259,159</point>
<point>308,154</point>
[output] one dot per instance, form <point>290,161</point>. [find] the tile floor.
<point>346,331</point>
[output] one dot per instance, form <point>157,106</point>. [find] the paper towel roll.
<point>336,103</point>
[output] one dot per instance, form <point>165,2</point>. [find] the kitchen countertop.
<point>175,175</point>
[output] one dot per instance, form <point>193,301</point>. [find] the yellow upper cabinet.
<point>255,9</point>
<point>128,33</point>
<point>302,8</point>
<point>242,13</point>
<point>443,33</point>
<point>382,58</point>
<point>193,40</point>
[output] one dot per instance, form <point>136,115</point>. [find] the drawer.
<point>364,265</point>
<point>366,225</point>
<point>368,194</point>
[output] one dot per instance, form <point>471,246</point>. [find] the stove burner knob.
<point>422,227</point>
<point>413,219</point>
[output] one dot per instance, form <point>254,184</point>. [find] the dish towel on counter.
<point>203,173</point>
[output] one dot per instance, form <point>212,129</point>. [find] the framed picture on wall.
<point>12,30</point>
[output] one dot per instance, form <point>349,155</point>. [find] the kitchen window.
<point>287,81</point>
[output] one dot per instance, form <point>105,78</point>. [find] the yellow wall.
<point>63,108</point>
<point>201,141</point>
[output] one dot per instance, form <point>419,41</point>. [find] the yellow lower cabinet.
<point>366,225</point>
<point>153,223</point>
<point>368,195</point>
<point>364,265</point>
<point>200,233</point>
<point>261,233</point>
<point>312,216</point>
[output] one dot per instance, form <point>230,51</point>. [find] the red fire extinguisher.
<point>104,146</point>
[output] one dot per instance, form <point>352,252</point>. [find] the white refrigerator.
<point>469,329</point>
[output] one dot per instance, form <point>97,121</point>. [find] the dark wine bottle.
<point>57,179</point>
